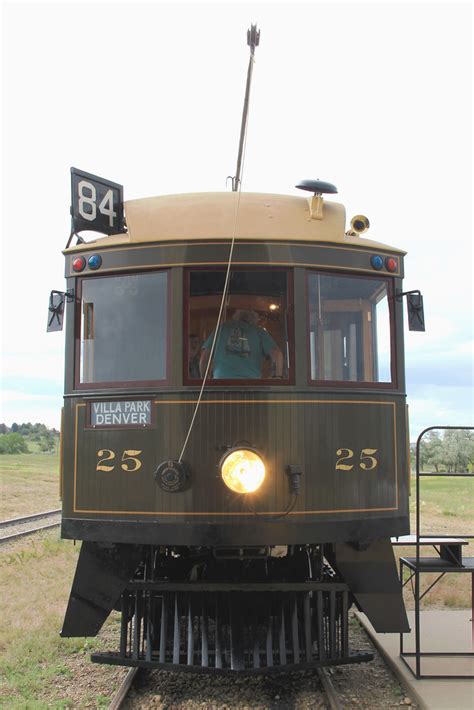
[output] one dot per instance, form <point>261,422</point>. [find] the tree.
<point>430,451</point>
<point>459,449</point>
<point>14,428</point>
<point>13,444</point>
<point>453,452</point>
<point>25,429</point>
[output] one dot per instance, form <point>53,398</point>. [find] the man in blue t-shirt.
<point>240,349</point>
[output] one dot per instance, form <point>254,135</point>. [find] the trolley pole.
<point>253,40</point>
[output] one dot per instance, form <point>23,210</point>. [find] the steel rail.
<point>329,689</point>
<point>23,533</point>
<point>123,689</point>
<point>27,518</point>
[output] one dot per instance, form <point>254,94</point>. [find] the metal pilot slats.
<point>234,631</point>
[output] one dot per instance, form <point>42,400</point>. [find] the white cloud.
<point>19,407</point>
<point>433,405</point>
<point>47,366</point>
<point>10,396</point>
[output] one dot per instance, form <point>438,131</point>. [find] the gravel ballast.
<point>367,685</point>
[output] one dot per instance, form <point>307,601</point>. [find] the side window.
<point>253,341</point>
<point>123,329</point>
<point>349,329</point>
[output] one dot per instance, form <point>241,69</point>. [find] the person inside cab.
<point>241,349</point>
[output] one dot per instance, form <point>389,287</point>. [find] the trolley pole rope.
<point>253,39</point>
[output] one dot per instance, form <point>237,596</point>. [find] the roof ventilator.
<point>318,187</point>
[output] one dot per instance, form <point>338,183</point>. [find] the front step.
<point>220,627</point>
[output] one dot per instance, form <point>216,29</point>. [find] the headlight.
<point>242,470</point>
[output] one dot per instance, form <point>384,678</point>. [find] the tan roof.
<point>215,215</point>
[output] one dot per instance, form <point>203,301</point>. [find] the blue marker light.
<point>94,261</point>
<point>376,261</point>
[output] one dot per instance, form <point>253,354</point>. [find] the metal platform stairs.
<point>447,560</point>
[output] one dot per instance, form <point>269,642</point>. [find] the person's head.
<point>246,316</point>
<point>193,342</point>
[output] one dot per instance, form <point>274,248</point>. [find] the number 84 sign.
<point>96,204</point>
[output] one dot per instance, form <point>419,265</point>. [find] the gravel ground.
<point>368,685</point>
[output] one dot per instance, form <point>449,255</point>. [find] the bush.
<point>47,441</point>
<point>13,444</point>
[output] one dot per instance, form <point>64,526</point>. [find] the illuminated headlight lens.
<point>242,470</point>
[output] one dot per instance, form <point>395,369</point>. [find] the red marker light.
<point>391,264</point>
<point>78,263</point>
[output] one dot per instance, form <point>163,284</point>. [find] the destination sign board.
<point>96,203</point>
<point>121,414</point>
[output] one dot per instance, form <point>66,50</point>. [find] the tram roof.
<point>212,215</point>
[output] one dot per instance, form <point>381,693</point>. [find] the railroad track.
<point>329,689</point>
<point>52,518</point>
<point>331,697</point>
<point>122,691</point>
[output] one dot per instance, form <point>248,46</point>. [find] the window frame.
<point>253,383</point>
<point>354,384</point>
<point>119,384</point>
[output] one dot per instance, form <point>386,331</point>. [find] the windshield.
<point>349,329</point>
<point>123,328</point>
<point>253,341</point>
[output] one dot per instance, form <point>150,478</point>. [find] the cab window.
<point>349,329</point>
<point>253,341</point>
<point>123,329</point>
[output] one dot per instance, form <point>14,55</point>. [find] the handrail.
<point>419,474</point>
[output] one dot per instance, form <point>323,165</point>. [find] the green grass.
<point>447,497</point>
<point>38,668</point>
<point>36,664</point>
<point>29,483</point>
<point>32,652</point>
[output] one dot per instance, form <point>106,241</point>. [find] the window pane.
<point>252,342</point>
<point>382,340</point>
<point>349,328</point>
<point>123,328</point>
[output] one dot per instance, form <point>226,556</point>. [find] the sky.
<point>373,97</point>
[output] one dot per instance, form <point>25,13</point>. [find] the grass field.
<point>29,483</point>
<point>445,502</point>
